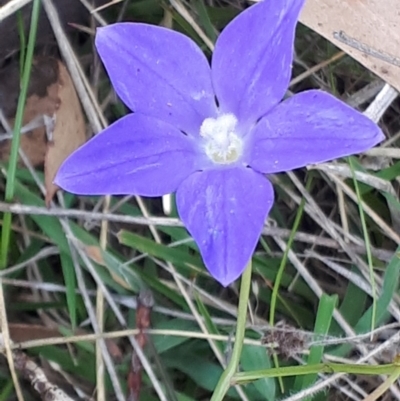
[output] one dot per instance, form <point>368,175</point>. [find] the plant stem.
<point>326,367</point>
<point>225,380</point>
<point>367,244</point>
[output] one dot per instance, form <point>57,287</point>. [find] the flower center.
<point>223,145</point>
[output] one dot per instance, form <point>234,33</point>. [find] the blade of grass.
<point>211,327</point>
<point>6,391</point>
<point>323,321</point>
<point>254,359</point>
<point>22,40</point>
<point>389,286</point>
<point>173,255</point>
<point>70,284</point>
<point>12,165</point>
<point>352,306</point>
<point>52,228</point>
<point>205,20</point>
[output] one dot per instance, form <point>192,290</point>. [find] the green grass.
<point>321,313</point>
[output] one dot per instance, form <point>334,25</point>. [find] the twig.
<point>145,302</point>
<point>89,103</point>
<point>42,254</point>
<point>6,343</point>
<point>17,208</point>
<point>381,103</point>
<point>30,371</point>
<point>11,7</point>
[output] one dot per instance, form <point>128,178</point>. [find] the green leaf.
<point>256,358</point>
<point>322,324</point>
<point>390,285</point>
<point>353,304</point>
<point>70,284</point>
<point>205,21</point>
<point>211,327</point>
<point>203,372</point>
<point>173,255</point>
<point>123,271</point>
<point>165,343</point>
<point>52,228</point>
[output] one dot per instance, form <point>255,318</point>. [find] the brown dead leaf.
<point>21,332</point>
<point>51,95</point>
<point>373,24</point>
<point>42,100</point>
<point>96,254</point>
<point>69,130</point>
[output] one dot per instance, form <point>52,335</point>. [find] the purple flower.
<point>211,134</point>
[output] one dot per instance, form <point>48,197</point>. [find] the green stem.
<point>12,165</point>
<point>279,275</point>
<point>226,378</point>
<point>328,367</point>
<point>367,243</point>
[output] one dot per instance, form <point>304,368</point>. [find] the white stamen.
<point>223,145</point>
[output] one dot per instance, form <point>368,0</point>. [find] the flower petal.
<point>310,127</point>
<point>251,65</point>
<point>224,210</point>
<point>158,72</point>
<point>136,155</point>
